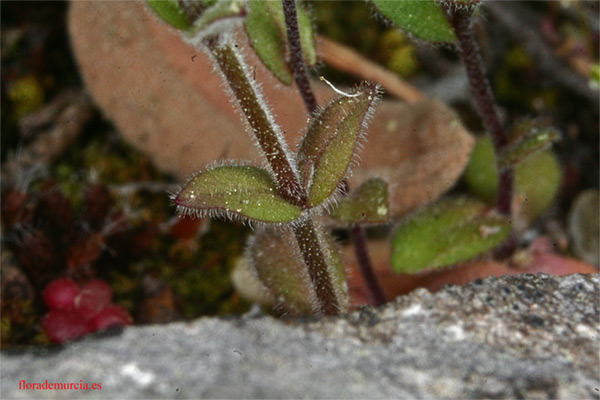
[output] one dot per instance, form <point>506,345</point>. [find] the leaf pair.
<point>331,142</point>
<point>537,171</point>
<point>264,23</point>
<point>265,26</point>
<point>537,180</point>
<point>278,262</point>
<point>251,193</point>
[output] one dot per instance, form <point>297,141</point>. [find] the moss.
<point>27,95</point>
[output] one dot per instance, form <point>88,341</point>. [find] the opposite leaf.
<point>279,265</point>
<point>233,190</point>
<point>534,141</point>
<point>267,39</point>
<point>331,142</point>
<point>445,233</point>
<point>537,179</point>
<point>367,205</point>
<point>265,26</point>
<point>307,39</point>
<point>423,18</point>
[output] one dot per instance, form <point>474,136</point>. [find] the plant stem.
<point>310,101</point>
<point>484,100</point>
<point>296,58</point>
<point>317,267</point>
<point>266,132</point>
<point>366,268</point>
<point>275,148</point>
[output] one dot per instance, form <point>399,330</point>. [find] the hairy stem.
<point>275,150</point>
<point>296,58</point>
<point>317,267</point>
<point>484,100</point>
<point>267,133</point>
<point>301,77</point>
<point>366,268</point>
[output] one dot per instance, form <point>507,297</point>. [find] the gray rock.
<point>511,337</point>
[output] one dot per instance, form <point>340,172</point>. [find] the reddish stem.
<point>296,57</point>
<point>273,147</point>
<point>366,268</point>
<point>484,100</point>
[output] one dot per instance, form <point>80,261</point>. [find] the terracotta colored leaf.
<point>332,140</point>
<point>451,231</point>
<point>368,204</point>
<point>422,18</point>
<point>233,190</point>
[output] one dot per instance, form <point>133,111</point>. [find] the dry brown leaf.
<point>165,99</point>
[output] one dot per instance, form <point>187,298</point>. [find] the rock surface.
<point>513,337</point>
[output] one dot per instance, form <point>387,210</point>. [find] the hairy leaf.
<point>170,12</point>
<point>423,18</point>
<point>279,265</point>
<point>265,26</point>
<point>368,204</point>
<point>445,233</point>
<point>232,190</point>
<point>537,179</point>
<point>267,38</point>
<point>331,142</point>
<point>307,40</point>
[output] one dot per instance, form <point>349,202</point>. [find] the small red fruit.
<point>60,294</point>
<point>93,298</point>
<point>111,315</point>
<point>61,325</point>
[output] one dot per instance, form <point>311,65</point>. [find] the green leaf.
<point>265,26</point>
<point>307,38</point>
<point>531,143</point>
<point>423,18</point>
<point>170,12</point>
<point>233,190</point>
<point>445,233</point>
<point>280,267</point>
<point>267,39</point>
<point>368,204</point>
<point>481,175</point>
<point>331,142</point>
<point>537,179</point>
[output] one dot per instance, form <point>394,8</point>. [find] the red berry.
<point>61,325</point>
<point>60,294</point>
<point>93,298</point>
<point>111,315</point>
